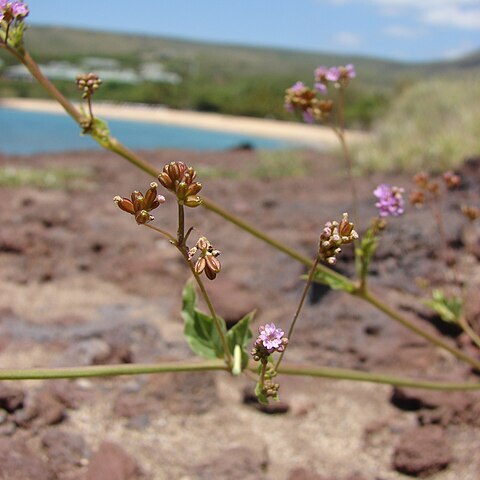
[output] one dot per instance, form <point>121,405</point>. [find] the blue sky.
<point>409,30</point>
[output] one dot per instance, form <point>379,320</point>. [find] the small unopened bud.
<point>139,205</point>
<point>451,180</point>
<point>472,213</point>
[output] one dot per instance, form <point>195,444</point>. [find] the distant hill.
<point>225,78</point>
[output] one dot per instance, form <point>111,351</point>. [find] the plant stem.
<point>355,375</point>
<point>213,365</point>
<point>249,228</point>
<point>339,130</point>
<point>469,330</point>
<point>212,311</point>
<point>117,147</point>
<point>163,232</point>
<point>33,68</point>
<point>376,302</point>
<point>201,285</point>
<point>181,226</point>
<point>348,159</point>
<point>299,308</point>
<point>262,374</point>
<point>109,370</point>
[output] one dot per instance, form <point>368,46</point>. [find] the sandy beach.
<point>311,136</point>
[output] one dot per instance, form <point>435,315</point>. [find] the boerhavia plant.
<point>234,350</point>
<point>315,107</point>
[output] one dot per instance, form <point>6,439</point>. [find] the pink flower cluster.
<point>390,200</point>
<point>271,338</point>
<point>300,97</point>
<point>341,74</point>
<point>12,10</point>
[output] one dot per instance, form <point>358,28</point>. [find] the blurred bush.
<point>432,125</point>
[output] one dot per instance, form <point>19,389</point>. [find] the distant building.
<point>108,69</point>
<point>155,72</point>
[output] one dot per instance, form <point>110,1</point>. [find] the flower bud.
<point>124,204</point>
<point>192,201</point>
<point>142,217</point>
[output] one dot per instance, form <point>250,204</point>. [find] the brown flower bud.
<point>421,179</point>
<point>165,180</point>
<point>333,236</point>
<point>471,212</point>
<point>192,201</point>
<point>200,265</point>
<point>417,198</point>
<point>451,180</point>
<point>138,201</point>
<point>140,205</point>
<point>207,261</point>
<point>142,217</point>
<point>124,204</point>
<point>180,179</point>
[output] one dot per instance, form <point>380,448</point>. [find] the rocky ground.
<point>81,284</point>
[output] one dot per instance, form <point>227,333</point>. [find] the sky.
<point>407,30</point>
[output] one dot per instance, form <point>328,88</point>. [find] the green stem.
<point>299,308</point>
<point>216,365</point>
<point>109,370</point>
<point>33,68</point>
<point>163,232</point>
<point>348,159</point>
<point>230,217</point>
<point>355,375</point>
<point>376,302</point>
<point>262,374</point>
<point>201,285</point>
<point>469,330</point>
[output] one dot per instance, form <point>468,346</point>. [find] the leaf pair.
<point>203,337</point>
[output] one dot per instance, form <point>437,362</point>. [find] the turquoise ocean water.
<point>24,133</point>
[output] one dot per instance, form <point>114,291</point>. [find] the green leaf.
<point>200,331</point>
<point>449,309</point>
<point>241,334</point>
<point>332,281</point>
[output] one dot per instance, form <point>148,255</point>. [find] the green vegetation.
<point>54,178</point>
<point>433,125</point>
<point>269,164</point>
<point>218,78</point>
<point>280,164</point>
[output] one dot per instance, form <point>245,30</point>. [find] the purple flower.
<point>297,87</point>
<point>390,200</point>
<point>350,71</point>
<point>271,337</point>
<point>15,9</point>
<point>321,88</point>
<point>333,74</point>
<point>308,116</point>
<point>320,73</point>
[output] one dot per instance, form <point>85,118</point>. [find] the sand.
<point>312,136</point>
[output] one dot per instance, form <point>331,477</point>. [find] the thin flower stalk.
<point>98,371</point>
<point>311,274</point>
<point>462,321</point>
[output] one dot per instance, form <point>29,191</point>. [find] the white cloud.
<point>347,39</point>
<point>454,17</point>
<point>400,31</point>
<point>459,51</point>
<point>452,13</point>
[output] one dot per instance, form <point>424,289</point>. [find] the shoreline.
<point>312,136</point>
